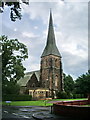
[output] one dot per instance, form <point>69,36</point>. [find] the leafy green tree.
<point>13,53</point>
<point>11,88</point>
<point>82,84</point>
<point>68,87</point>
<point>62,95</point>
<point>68,83</point>
<point>15,9</point>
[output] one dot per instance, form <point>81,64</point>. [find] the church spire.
<point>51,48</point>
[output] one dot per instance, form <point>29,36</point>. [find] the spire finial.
<point>50,10</point>
<point>50,19</point>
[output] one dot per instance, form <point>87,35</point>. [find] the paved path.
<point>18,113</point>
<point>53,101</point>
<point>30,113</point>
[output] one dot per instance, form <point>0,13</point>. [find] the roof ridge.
<point>32,71</point>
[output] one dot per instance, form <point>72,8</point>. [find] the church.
<point>47,81</point>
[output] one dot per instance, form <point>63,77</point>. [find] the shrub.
<point>62,95</point>
<point>13,97</point>
<point>69,95</point>
<point>78,96</point>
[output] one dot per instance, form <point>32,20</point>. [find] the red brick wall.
<point>72,109</point>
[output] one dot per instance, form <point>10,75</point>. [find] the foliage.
<point>82,84</point>
<point>62,95</point>
<point>14,97</point>
<point>10,88</point>
<point>15,9</point>
<point>78,96</point>
<point>13,53</point>
<point>68,87</point>
<point>68,84</point>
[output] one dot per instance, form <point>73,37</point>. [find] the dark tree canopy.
<point>10,88</point>
<point>13,53</point>
<point>68,87</point>
<point>68,83</point>
<point>15,9</point>
<point>83,83</point>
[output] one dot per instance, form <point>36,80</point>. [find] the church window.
<point>33,85</point>
<point>56,62</point>
<point>56,81</point>
<point>46,62</point>
<point>50,62</point>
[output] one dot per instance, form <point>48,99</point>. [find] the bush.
<point>78,96</point>
<point>16,97</point>
<point>69,95</point>
<point>62,95</point>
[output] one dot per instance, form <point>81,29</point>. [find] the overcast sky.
<point>71,32</point>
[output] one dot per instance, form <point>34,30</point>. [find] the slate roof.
<point>23,81</point>
<point>51,48</point>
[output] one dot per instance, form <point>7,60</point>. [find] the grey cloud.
<point>74,65</point>
<point>70,21</point>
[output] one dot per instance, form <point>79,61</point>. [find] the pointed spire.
<point>50,20</point>
<point>51,48</point>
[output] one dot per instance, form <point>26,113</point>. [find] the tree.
<point>62,95</point>
<point>68,83</point>
<point>82,84</point>
<point>68,87</point>
<point>13,53</point>
<point>15,9</point>
<point>11,88</point>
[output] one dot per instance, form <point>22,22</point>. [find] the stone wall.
<point>51,73</point>
<point>33,82</point>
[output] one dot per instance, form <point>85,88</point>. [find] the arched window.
<point>33,85</point>
<point>50,62</point>
<point>56,81</point>
<point>46,62</point>
<point>56,62</point>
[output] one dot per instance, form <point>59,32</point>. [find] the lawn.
<point>37,103</point>
<point>28,103</point>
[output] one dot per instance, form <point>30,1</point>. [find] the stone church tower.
<point>51,65</point>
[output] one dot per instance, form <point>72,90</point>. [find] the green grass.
<point>28,103</point>
<point>37,103</point>
<point>85,105</point>
<point>68,99</point>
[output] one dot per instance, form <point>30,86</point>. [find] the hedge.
<point>78,96</point>
<point>16,97</point>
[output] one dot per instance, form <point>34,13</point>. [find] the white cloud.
<point>35,27</point>
<point>29,35</point>
<point>32,63</point>
<point>44,0</point>
<point>77,1</point>
<point>15,29</point>
<point>71,30</point>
